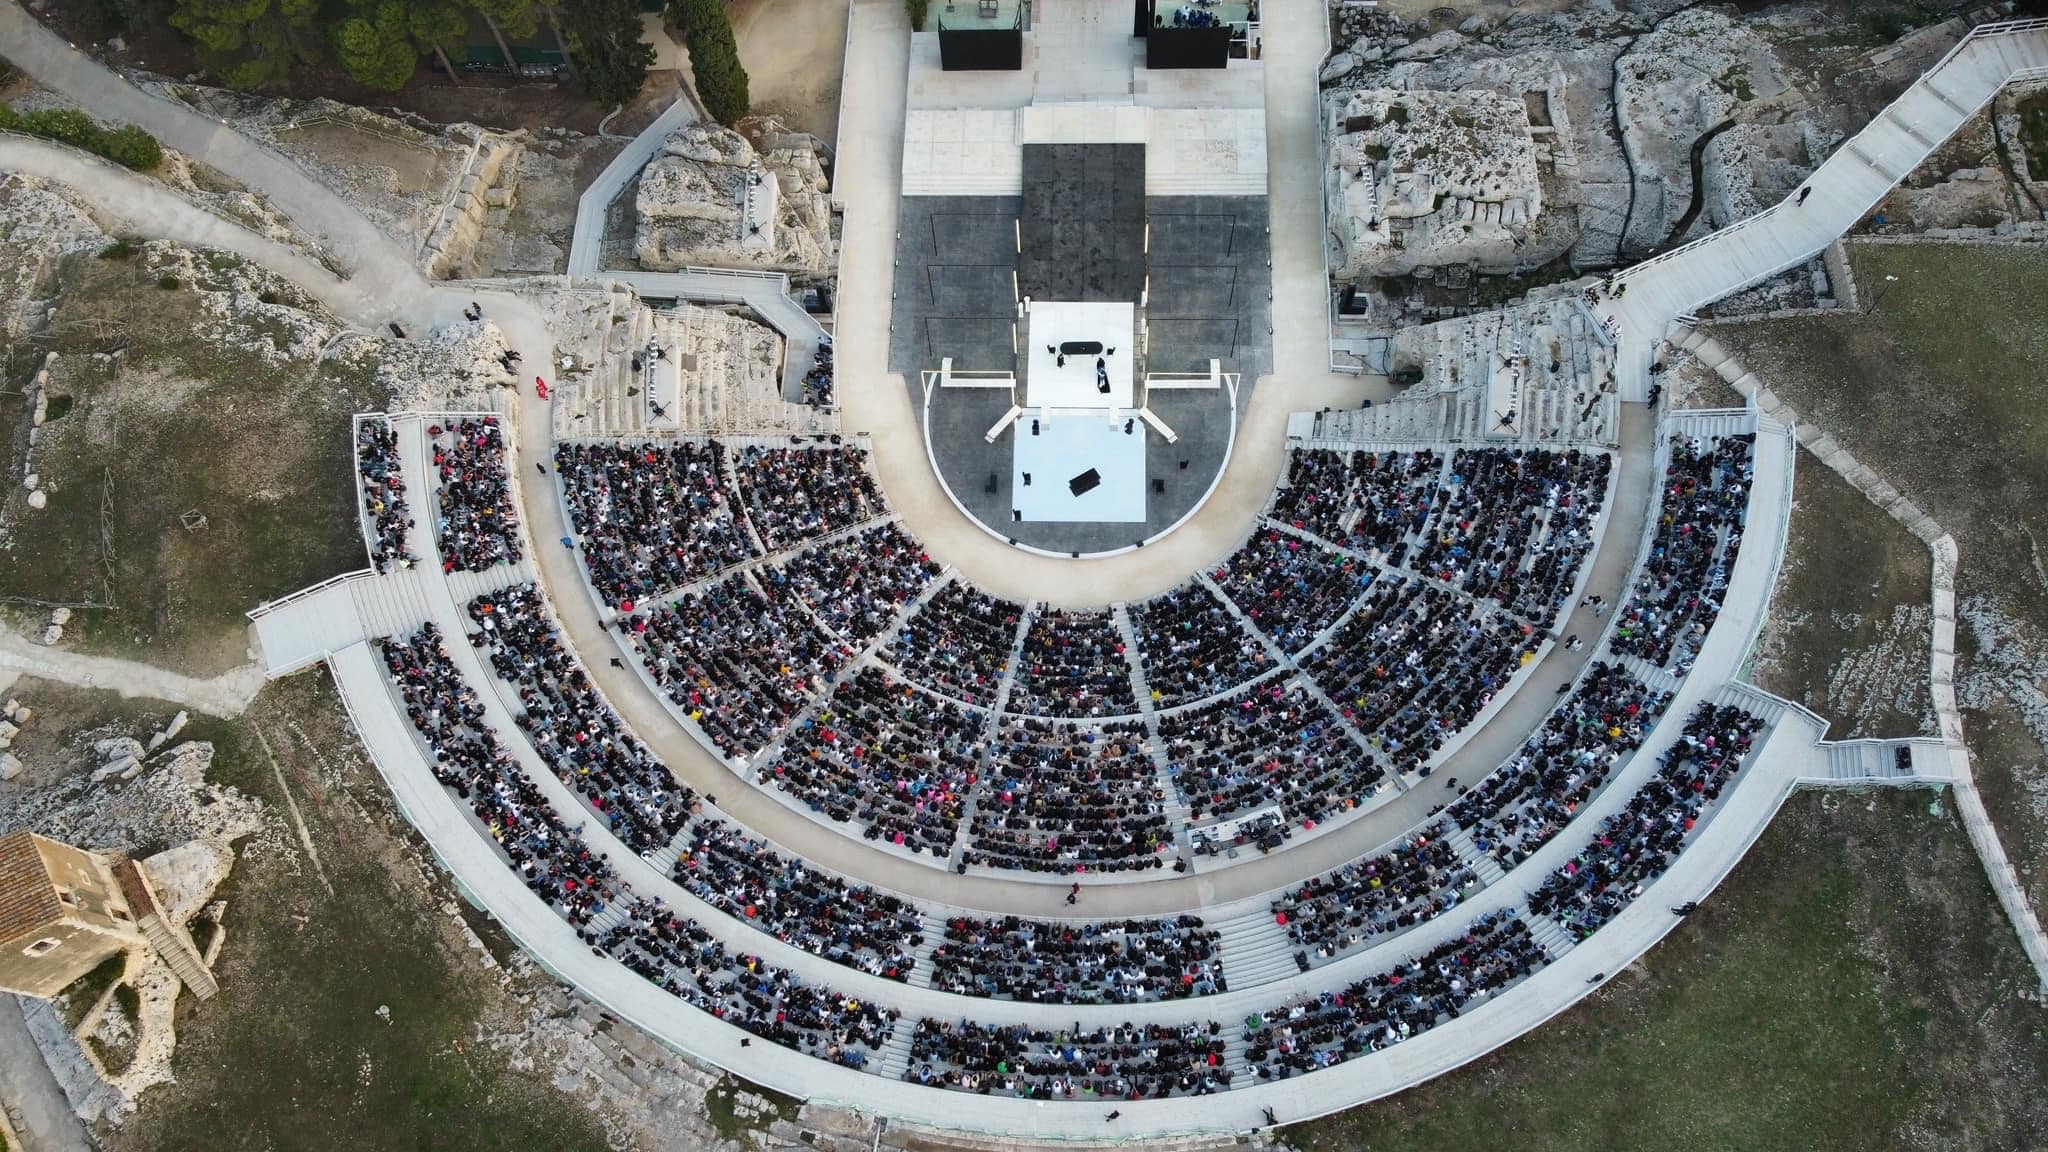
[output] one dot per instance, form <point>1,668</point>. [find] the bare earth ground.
<point>1852,986</point>
<point>794,53</point>
<point>179,424</point>
<point>346,1020</point>
<point>1942,388</point>
<point>1850,625</point>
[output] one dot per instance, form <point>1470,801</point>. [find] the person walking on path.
<point>1074,893</point>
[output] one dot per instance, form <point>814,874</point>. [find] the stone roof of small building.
<point>27,899</point>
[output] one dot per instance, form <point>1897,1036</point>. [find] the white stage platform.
<point>1070,447</point>
<point>1089,331</point>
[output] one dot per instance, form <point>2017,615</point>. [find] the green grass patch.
<point>1852,986</point>
<point>118,250</point>
<point>294,1048</point>
<point>2034,134</point>
<point>721,1105</point>
<point>180,423</point>
<point>78,998</point>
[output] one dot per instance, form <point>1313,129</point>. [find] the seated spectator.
<point>794,494</point>
<point>571,726</point>
<point>1192,647</point>
<point>1677,592</point>
<point>1514,525</point>
<point>1122,1063</point>
<point>381,473</point>
<point>740,665</point>
<point>1291,588</point>
<point>1635,845</point>
<point>1370,501</point>
<point>1109,962</point>
<point>1418,880</point>
<point>1072,665</point>
<point>1415,664</point>
<point>1067,798</point>
<point>857,585</point>
<point>1520,805</point>
<point>849,924</point>
<point>887,756</point>
<point>650,518</point>
<point>1388,1007</point>
<point>958,644</point>
<point>476,528</point>
<point>1275,743</point>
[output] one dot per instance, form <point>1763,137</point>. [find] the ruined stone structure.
<point>711,197</point>
<point>1425,177</point>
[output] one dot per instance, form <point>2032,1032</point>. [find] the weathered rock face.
<point>1426,177</point>
<point>711,197</point>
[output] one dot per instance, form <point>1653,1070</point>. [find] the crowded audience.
<point>380,471</point>
<point>1072,664</point>
<point>1289,587</point>
<point>1415,664</point>
<point>740,665</point>
<point>1067,798</point>
<point>1419,879</point>
<point>1108,1064</point>
<point>1677,592</point>
<point>886,756</point>
<point>572,727</point>
<point>549,857</point>
<point>1635,845</point>
<point>856,585</point>
<point>818,381</point>
<point>1520,805</point>
<point>849,924</point>
<point>1275,743</point>
<point>688,962</point>
<point>1100,962</point>
<point>1514,525</point>
<point>650,517</point>
<point>1386,1008</point>
<point>794,494</point>
<point>475,527</point>
<point>676,954</point>
<point>959,643</point>
<point>1371,501</point>
<point>1191,646</point>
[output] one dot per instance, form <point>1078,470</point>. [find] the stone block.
<point>10,766</point>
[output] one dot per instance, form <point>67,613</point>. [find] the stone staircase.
<point>1868,762</point>
<point>1486,867</point>
<point>391,604</point>
<point>894,1058</point>
<point>1753,700</point>
<point>1547,933</point>
<point>1254,950</point>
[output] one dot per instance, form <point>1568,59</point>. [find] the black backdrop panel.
<point>1083,219</point>
<point>981,49</point>
<point>1187,47</point>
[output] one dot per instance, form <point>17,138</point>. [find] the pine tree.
<point>248,43</point>
<point>714,57</point>
<point>611,56</point>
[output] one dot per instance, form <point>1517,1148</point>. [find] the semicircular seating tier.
<point>1384,602</point>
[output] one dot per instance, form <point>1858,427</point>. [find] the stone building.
<point>62,912</point>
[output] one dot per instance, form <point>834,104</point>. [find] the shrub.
<point>118,250</point>
<point>714,58</point>
<point>167,283</point>
<point>917,9</point>
<point>128,146</point>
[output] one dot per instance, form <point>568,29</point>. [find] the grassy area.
<point>78,998</point>
<point>1851,986</point>
<point>179,425</point>
<point>1850,625</point>
<point>721,1102</point>
<point>349,1020</point>
<point>2034,133</point>
<point>1941,385</point>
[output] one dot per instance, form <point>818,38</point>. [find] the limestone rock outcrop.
<point>713,196</point>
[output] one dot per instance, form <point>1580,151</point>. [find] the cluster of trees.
<point>256,43</point>
<point>128,145</point>
<point>714,57</point>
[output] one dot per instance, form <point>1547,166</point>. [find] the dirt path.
<point>30,1094</point>
<point>225,695</point>
<point>794,52</point>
